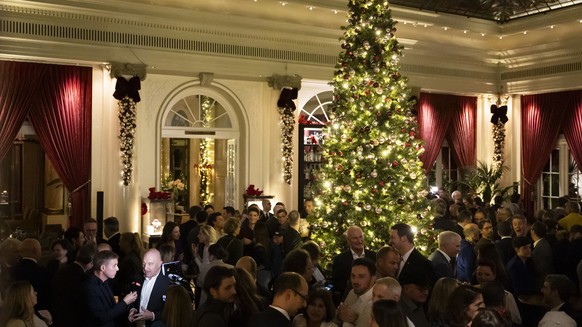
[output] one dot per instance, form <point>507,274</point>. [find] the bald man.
<point>28,269</point>
<point>152,290</point>
<point>342,263</point>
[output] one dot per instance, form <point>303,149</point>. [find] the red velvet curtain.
<point>572,128</point>
<point>61,118</point>
<point>16,97</point>
<point>435,112</point>
<point>462,134</point>
<point>445,115</point>
<point>542,116</point>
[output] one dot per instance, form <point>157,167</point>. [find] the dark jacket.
<point>233,247</point>
<point>269,318</point>
<point>102,307</point>
<point>27,269</point>
<point>157,297</point>
<point>212,313</point>
<point>341,270</point>
<point>68,302</point>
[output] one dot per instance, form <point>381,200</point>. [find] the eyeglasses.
<point>304,297</point>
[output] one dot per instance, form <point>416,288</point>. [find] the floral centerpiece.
<point>252,191</point>
<point>174,187</point>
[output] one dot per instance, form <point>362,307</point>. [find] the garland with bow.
<point>498,120</point>
<point>127,95</point>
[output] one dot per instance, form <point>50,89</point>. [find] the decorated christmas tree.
<point>373,177</point>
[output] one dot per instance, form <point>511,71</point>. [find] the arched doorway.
<point>200,145</point>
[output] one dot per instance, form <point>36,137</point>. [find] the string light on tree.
<point>372,176</point>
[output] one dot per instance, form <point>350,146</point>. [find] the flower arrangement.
<point>252,191</point>
<point>174,187</point>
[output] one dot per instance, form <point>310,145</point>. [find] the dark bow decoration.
<point>129,88</point>
<point>499,114</point>
<point>286,98</point>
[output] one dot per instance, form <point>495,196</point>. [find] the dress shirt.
<point>356,256</point>
<point>362,305</point>
<point>146,292</point>
<point>282,311</point>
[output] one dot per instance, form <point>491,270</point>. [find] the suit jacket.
<point>505,249</point>
<point>440,265</point>
<point>291,240</point>
<point>68,302</point>
<point>466,261</point>
<point>27,269</point>
<point>341,270</point>
<point>102,307</point>
<point>268,318</point>
<point>459,230</point>
<point>444,223</point>
<point>521,276</point>
<point>212,313</point>
<point>233,246</point>
<point>542,259</point>
<point>113,241</point>
<point>157,297</point>
<point>416,261</point>
<point>265,216</point>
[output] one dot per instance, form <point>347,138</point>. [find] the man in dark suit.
<point>111,231</point>
<point>219,284</point>
<point>444,258</point>
<point>68,303</point>
<point>463,218</point>
<point>557,291</point>
<point>290,296</point>
<point>28,269</point>
<point>402,238</point>
<point>342,263</point>
<point>103,311</point>
<point>266,214</point>
<point>504,246</point>
<point>291,237</point>
<point>541,254</point>
<point>151,295</point>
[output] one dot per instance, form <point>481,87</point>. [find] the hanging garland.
<point>127,95</point>
<point>287,127</point>
<point>498,120</point>
<point>205,166</point>
<point>286,109</point>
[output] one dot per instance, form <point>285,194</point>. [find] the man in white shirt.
<point>152,294</point>
<point>356,310</point>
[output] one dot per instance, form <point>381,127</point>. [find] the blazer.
<point>27,269</point>
<point>157,297</point>
<point>102,307</point>
<point>417,262</point>
<point>268,318</point>
<point>291,240</point>
<point>341,270</point>
<point>441,266</point>
<point>114,243</point>
<point>505,249</point>
<point>522,277</point>
<point>466,261</point>
<point>542,259</point>
<point>211,314</point>
<point>68,302</point>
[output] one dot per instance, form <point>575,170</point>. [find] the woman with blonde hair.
<point>18,308</point>
<point>206,236</point>
<point>437,306</point>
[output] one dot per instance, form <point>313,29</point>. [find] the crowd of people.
<point>493,267</point>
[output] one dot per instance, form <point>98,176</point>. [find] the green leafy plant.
<point>483,180</point>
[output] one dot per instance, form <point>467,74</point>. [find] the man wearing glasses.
<point>290,296</point>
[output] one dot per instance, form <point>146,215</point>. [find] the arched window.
<point>316,109</point>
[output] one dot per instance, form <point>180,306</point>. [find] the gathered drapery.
<point>572,127</point>
<point>451,116</point>
<point>542,117</point>
<point>16,97</point>
<point>57,100</point>
<point>462,131</point>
